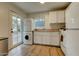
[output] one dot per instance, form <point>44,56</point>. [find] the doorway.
<point>16,31</point>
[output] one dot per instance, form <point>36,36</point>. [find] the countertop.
<point>47,30</point>
<point>3,38</point>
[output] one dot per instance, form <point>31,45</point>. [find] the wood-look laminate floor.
<point>35,50</point>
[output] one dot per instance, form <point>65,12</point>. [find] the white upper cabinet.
<point>52,17</point>
<point>56,16</point>
<point>60,16</point>
<point>47,21</point>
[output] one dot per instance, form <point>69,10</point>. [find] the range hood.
<point>57,25</point>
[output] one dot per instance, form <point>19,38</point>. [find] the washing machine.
<point>27,38</point>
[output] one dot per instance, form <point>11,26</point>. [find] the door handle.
<point>11,30</point>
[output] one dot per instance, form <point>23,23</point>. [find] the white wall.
<point>4,17</point>
<point>72,36</point>
<point>5,20</point>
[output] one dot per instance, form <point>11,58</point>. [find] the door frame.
<point>10,44</point>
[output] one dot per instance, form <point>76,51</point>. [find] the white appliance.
<point>27,33</point>
<point>71,35</point>
<point>27,37</point>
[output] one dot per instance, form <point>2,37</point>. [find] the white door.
<point>15,31</point>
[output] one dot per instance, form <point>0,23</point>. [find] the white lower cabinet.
<point>48,38</point>
<point>37,38</point>
<point>55,38</point>
<point>45,38</point>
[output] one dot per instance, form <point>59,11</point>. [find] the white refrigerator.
<point>71,34</point>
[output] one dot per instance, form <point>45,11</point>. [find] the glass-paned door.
<point>16,30</point>
<point>19,28</point>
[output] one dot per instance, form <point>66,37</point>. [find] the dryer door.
<point>27,38</point>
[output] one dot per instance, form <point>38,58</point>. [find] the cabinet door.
<point>46,38</point>
<point>60,17</point>
<point>55,38</point>
<point>38,37</point>
<point>52,17</point>
<point>47,26</point>
<point>41,38</point>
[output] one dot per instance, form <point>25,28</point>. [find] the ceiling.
<point>33,7</point>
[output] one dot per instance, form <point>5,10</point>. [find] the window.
<point>39,23</point>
